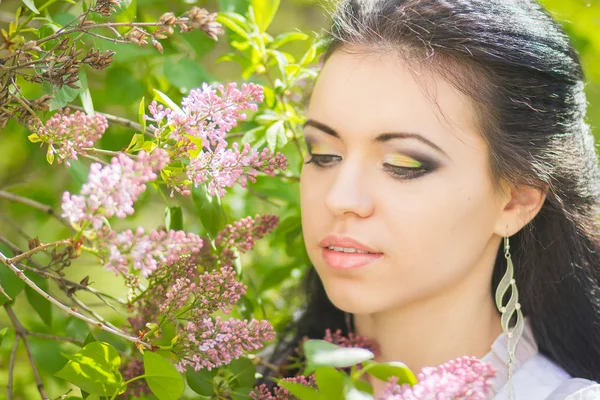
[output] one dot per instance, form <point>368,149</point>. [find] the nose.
<point>350,193</point>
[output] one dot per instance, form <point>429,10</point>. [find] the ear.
<point>521,204</point>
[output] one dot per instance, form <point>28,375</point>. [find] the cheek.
<point>312,202</point>
<point>440,227</point>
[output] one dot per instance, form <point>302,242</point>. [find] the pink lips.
<point>341,260</point>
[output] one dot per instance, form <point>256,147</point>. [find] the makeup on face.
<point>401,166</point>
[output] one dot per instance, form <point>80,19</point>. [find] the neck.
<point>458,322</point>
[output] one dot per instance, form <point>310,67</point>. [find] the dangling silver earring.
<point>508,310</point>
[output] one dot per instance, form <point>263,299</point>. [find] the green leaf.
<point>302,392</point>
<point>237,6</point>
<point>141,113</point>
<point>47,354</point>
<point>41,306</point>
<point>84,95</point>
<point>330,382</point>
<point>173,219</point>
<point>63,96</point>
<point>243,370</point>
<point>241,393</point>
<point>274,133</point>
<point>123,6</point>
<point>11,284</point>
<point>322,353</point>
<point>230,21</point>
<point>76,328</point>
<point>209,210</point>
<point>123,86</point>
<point>136,144</point>
<point>287,37</point>
<point>309,56</point>
<point>31,5</point>
<point>186,74</point>
<point>2,334</point>
<point>163,98</point>
<point>201,382</point>
<point>95,369</point>
<point>264,11</point>
<point>385,371</point>
<point>89,339</point>
<point>163,379</point>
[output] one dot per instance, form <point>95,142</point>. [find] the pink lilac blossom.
<point>464,378</point>
<point>211,343</point>
<point>262,392</point>
<point>352,340</point>
<point>130,370</point>
<point>206,116</point>
<point>69,134</point>
<point>224,168</point>
<point>147,252</point>
<point>243,234</point>
<point>112,189</point>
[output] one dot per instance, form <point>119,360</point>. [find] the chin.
<point>351,300</point>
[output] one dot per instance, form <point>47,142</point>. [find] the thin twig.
<point>63,282</point>
<point>34,204</point>
<point>11,367</point>
<point>95,159</point>
<point>113,118</point>
<point>56,338</point>
<point>68,310</point>
<point>93,313</point>
<point>41,247</point>
<point>22,332</point>
<point>86,29</point>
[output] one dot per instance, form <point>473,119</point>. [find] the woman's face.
<point>390,174</point>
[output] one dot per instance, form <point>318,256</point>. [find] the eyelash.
<point>324,160</point>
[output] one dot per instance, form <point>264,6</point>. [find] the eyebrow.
<point>382,138</point>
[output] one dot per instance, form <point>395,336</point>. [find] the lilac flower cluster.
<point>146,252</point>
<point>198,134</point>
<point>181,293</point>
<point>243,234</point>
<point>69,134</point>
<point>112,189</point>
<point>464,378</point>
<point>211,343</point>
<point>262,392</point>
<point>130,370</point>
<point>224,168</point>
<point>352,340</point>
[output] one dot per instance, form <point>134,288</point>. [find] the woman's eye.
<point>323,160</point>
<point>404,173</point>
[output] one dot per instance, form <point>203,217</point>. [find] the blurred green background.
<point>188,60</point>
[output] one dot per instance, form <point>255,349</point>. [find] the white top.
<point>535,377</point>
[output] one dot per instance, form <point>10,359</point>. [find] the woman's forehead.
<point>379,92</point>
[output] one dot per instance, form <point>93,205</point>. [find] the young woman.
<point>451,197</point>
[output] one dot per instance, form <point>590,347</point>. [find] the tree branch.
<point>32,203</point>
<point>56,338</point>
<point>22,333</point>
<point>43,246</point>
<point>63,282</point>
<point>68,310</point>
<point>118,120</point>
<point>11,367</point>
